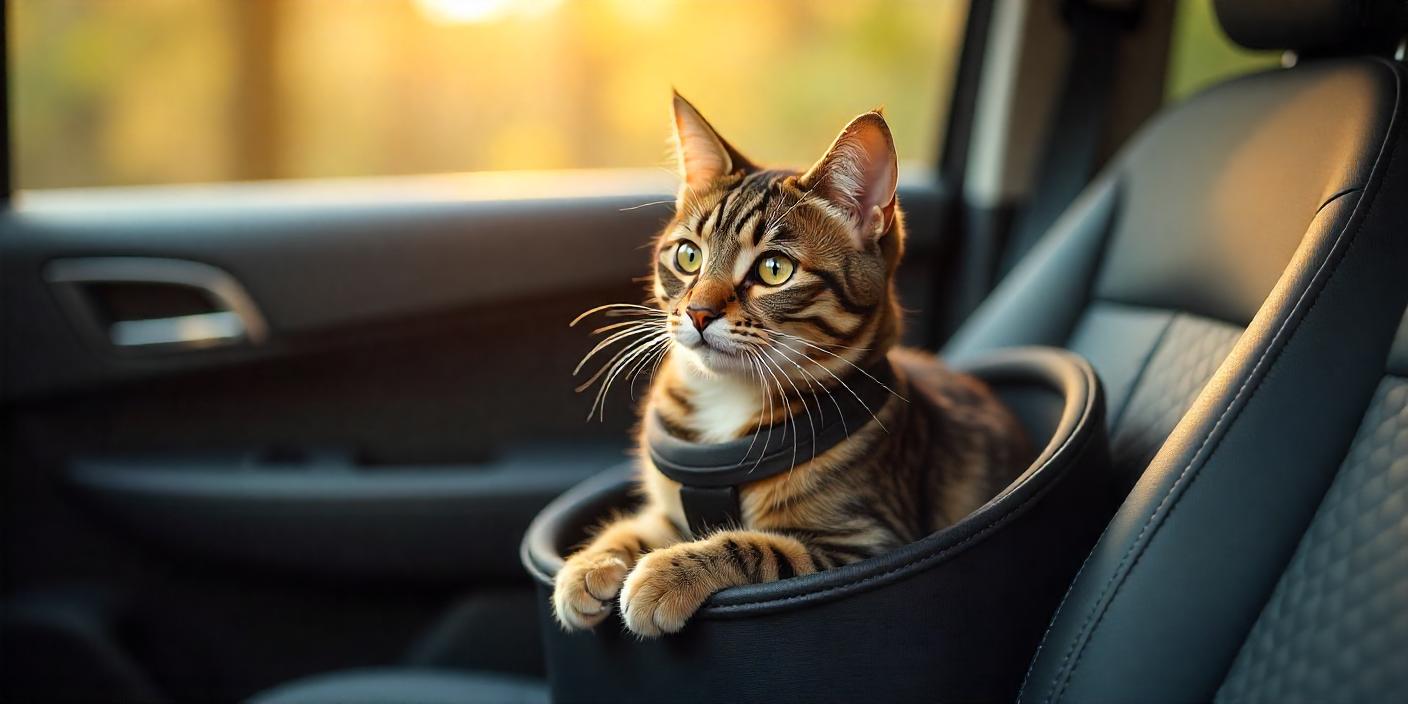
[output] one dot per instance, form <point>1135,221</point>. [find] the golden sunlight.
<point>480,11</point>
<point>155,91</point>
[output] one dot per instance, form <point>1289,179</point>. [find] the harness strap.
<point>708,509</point>
<point>711,473</point>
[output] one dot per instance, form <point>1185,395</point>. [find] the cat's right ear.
<point>701,153</point>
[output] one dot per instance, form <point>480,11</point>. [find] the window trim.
<point>5,164</point>
<point>952,160</point>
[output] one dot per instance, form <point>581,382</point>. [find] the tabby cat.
<point>772,289</point>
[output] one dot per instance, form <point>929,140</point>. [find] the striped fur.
<point>935,451</point>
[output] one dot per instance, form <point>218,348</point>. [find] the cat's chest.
<point>720,409</point>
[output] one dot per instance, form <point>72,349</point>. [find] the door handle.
<point>232,319</point>
<point>199,330</point>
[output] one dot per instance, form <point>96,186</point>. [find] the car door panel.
<point>369,465</point>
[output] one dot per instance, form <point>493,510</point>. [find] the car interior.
<point>315,440</point>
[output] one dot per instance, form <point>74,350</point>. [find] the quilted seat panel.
<point>1336,627</point>
<point>1154,363</point>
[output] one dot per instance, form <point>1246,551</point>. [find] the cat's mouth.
<point>718,355</point>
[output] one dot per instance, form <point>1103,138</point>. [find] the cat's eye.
<point>688,257</point>
<point>775,269</point>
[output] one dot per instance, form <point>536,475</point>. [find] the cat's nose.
<point>702,316</point>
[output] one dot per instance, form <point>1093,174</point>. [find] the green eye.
<point>775,269</point>
<point>688,257</point>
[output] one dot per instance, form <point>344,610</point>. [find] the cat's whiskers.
<point>810,423</point>
<point>613,326</point>
<point>790,417</point>
<point>636,350</point>
<point>767,395</point>
<point>660,358</point>
<point>637,328</point>
<point>644,311</point>
<point>647,337</point>
<point>805,406</point>
<point>643,339</point>
<point>657,350</point>
<point>646,205</point>
<point>640,351</point>
<point>838,379</point>
<point>815,383</point>
<point>610,363</point>
<point>832,345</point>
<point>843,359</point>
<point>757,371</point>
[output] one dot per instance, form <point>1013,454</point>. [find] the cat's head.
<point>781,272</point>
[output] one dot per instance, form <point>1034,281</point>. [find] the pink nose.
<point>702,317</point>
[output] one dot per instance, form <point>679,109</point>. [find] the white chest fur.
<point>721,404</point>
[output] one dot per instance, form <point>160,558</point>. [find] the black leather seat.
<point>1247,237</point>
<point>1230,572</point>
<point>1158,268</point>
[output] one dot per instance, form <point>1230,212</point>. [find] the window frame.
<point>5,172</point>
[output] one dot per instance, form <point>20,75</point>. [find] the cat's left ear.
<point>702,154</point>
<point>859,174</point>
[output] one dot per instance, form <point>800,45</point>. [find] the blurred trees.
<point>109,92</point>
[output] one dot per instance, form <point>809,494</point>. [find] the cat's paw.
<point>585,587</point>
<point>662,592</point>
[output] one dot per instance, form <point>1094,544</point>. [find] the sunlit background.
<point>111,92</point>
<point>121,92</point>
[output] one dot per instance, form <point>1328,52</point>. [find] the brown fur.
<point>926,459</point>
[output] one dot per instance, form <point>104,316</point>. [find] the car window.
<point>172,91</point>
<point>1201,54</point>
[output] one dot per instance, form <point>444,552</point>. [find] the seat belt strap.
<point>1073,146</point>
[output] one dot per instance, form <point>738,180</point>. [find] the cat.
<point>769,285</point>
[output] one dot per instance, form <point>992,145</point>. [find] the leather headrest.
<point>1315,27</point>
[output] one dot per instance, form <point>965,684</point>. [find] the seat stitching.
<point>1114,424</point>
<point>1273,351</point>
<point>1143,369</point>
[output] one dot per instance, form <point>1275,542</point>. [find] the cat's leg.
<point>669,585</point>
<point>588,582</point>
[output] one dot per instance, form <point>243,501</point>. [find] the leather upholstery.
<point>1315,26</point>
<point>1189,351</point>
<point>1216,192</point>
<point>1158,266</point>
<point>1167,597</point>
<point>1336,628</point>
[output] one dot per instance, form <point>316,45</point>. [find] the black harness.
<point>710,474</point>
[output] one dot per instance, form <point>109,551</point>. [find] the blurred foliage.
<point>110,92</point>
<point>1202,55</point>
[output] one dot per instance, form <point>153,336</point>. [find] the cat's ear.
<point>701,153</point>
<point>858,175</point>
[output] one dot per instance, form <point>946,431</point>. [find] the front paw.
<point>585,587</point>
<point>662,592</point>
